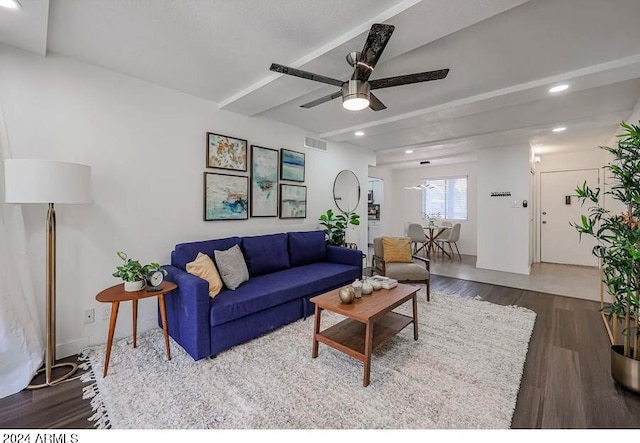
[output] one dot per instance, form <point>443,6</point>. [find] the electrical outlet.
<point>106,311</point>
<point>89,316</point>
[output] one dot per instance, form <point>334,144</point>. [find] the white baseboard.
<point>71,348</point>
<point>76,346</point>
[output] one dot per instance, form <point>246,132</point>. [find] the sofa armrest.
<point>188,312</point>
<point>345,256</point>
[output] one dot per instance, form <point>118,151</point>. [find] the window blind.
<point>446,197</point>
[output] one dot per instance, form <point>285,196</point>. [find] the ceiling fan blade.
<point>304,74</point>
<point>321,100</point>
<point>375,103</point>
<point>378,38</point>
<point>408,79</point>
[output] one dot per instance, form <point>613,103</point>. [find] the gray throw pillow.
<point>232,267</point>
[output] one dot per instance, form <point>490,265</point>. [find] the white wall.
<point>146,145</point>
<point>406,205</point>
<point>504,231</point>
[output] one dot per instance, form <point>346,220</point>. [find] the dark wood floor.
<point>566,381</point>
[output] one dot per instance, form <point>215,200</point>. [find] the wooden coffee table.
<point>370,322</point>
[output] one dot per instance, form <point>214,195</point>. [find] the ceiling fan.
<point>356,92</point>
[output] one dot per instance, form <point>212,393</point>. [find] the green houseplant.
<point>618,248</point>
<point>335,226</point>
<point>133,273</point>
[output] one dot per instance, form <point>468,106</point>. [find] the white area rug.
<point>463,373</point>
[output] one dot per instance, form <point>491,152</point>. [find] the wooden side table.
<point>116,294</point>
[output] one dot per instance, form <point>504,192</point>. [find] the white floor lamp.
<point>50,182</point>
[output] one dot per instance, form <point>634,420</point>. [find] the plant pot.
<point>624,370</point>
<point>132,286</point>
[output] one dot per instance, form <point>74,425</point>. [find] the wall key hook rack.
<point>501,194</point>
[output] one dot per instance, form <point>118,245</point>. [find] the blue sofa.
<point>285,270</point>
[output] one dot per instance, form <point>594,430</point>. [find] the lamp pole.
<point>50,352</point>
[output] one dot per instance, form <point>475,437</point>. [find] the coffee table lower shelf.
<point>348,336</point>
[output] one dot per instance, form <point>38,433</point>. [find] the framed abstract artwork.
<point>264,182</point>
<point>293,201</point>
<point>225,197</point>
<point>291,165</point>
<point>224,152</point>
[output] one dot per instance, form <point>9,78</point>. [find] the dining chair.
<point>444,230</point>
<point>453,238</point>
<point>418,238</point>
<point>406,227</point>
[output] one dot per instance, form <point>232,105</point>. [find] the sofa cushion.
<point>232,267</point>
<point>307,247</point>
<point>265,254</point>
<point>269,290</point>
<point>184,253</point>
<point>204,268</point>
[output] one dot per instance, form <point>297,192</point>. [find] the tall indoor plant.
<point>335,226</point>
<point>618,248</point>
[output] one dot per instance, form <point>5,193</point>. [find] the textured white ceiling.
<point>503,56</point>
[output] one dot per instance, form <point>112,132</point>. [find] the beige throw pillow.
<point>397,249</point>
<point>204,268</point>
<point>232,266</point>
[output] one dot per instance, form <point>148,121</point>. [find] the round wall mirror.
<point>346,191</point>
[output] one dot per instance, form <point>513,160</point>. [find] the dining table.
<point>433,232</point>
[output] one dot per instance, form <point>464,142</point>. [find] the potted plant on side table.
<point>618,248</point>
<point>133,273</point>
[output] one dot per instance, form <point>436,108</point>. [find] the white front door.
<point>559,206</point>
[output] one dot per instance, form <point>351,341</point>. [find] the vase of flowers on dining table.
<point>432,218</point>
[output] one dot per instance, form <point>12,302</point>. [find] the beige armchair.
<point>401,271</point>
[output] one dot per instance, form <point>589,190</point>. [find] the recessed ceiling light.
<point>358,133</point>
<point>559,88</point>
<point>11,4</point>
<point>559,129</point>
<point>409,151</point>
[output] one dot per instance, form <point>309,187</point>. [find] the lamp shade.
<point>46,181</point>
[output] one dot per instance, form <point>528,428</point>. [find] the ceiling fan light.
<point>355,95</point>
<point>355,103</point>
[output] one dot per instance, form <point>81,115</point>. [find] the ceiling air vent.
<point>315,143</point>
